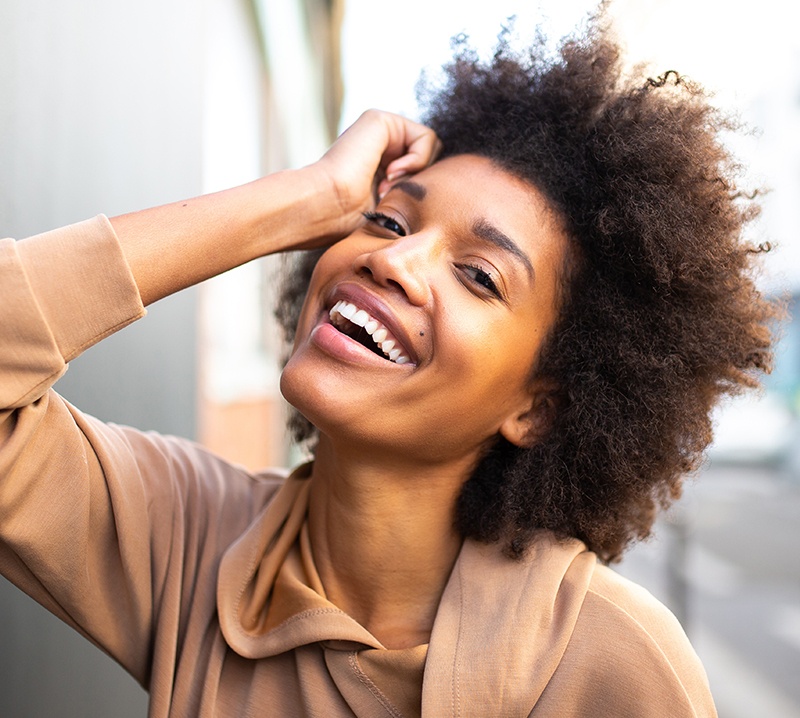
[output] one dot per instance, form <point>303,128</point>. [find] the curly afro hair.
<point>659,315</point>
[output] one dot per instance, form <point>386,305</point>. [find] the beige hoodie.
<point>199,578</point>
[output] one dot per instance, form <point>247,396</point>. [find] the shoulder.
<point>629,655</point>
<point>614,598</point>
<point>176,478</point>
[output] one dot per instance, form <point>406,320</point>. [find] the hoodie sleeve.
<point>62,292</point>
<point>108,528</point>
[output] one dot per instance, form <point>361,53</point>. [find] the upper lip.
<point>376,308</point>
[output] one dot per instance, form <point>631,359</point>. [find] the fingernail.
<point>395,175</point>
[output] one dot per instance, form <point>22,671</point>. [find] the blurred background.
<point>109,106</point>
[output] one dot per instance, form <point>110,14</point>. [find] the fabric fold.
<point>518,616</point>
<point>266,603</point>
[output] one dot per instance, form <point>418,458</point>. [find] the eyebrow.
<point>487,231</point>
<point>412,189</point>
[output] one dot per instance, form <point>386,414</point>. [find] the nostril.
<point>366,271</point>
<point>395,270</point>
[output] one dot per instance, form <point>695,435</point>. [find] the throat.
<point>384,557</point>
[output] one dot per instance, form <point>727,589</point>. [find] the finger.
<point>384,186</point>
<point>421,152</point>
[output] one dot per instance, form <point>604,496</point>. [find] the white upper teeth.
<point>379,333</point>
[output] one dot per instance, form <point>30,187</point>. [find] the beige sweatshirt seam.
<point>371,687</point>
<point>652,641</point>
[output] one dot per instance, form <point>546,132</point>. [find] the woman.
<point>508,363</point>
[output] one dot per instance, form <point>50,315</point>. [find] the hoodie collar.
<point>498,637</point>
<point>269,597</point>
<point>503,626</point>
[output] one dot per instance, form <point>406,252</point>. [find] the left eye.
<point>386,222</point>
<point>481,277</point>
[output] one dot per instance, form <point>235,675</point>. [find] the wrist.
<point>325,213</point>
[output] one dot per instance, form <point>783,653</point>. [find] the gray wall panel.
<point>100,111</point>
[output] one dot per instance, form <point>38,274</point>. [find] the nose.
<point>402,264</point>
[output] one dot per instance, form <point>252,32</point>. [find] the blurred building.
<point>268,113</point>
<point>110,107</point>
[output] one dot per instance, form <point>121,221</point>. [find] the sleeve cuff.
<point>82,283</point>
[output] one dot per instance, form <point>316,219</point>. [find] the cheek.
<point>488,350</point>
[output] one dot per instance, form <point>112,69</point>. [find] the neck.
<point>383,539</point>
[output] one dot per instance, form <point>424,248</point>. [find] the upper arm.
<point>104,526</point>
<point>117,532</point>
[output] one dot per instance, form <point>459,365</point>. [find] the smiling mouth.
<point>367,331</point>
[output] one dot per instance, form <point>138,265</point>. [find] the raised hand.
<point>379,148</point>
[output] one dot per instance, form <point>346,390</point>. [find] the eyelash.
<point>380,219</point>
<point>482,278</point>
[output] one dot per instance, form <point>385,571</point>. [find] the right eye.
<point>385,222</point>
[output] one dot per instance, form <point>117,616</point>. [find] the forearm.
<point>174,246</point>
<point>65,290</point>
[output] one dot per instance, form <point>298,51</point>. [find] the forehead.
<point>478,182</point>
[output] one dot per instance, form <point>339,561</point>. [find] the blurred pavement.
<point>727,562</point>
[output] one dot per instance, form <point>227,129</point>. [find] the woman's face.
<point>458,267</point>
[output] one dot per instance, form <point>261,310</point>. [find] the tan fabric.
<point>199,579</point>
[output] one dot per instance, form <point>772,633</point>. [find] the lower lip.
<point>339,345</point>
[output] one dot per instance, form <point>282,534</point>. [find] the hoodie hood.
<point>503,626</point>
<point>269,596</point>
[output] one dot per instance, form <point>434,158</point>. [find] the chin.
<point>319,402</point>
<point>308,392</point>
<point>297,389</point>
